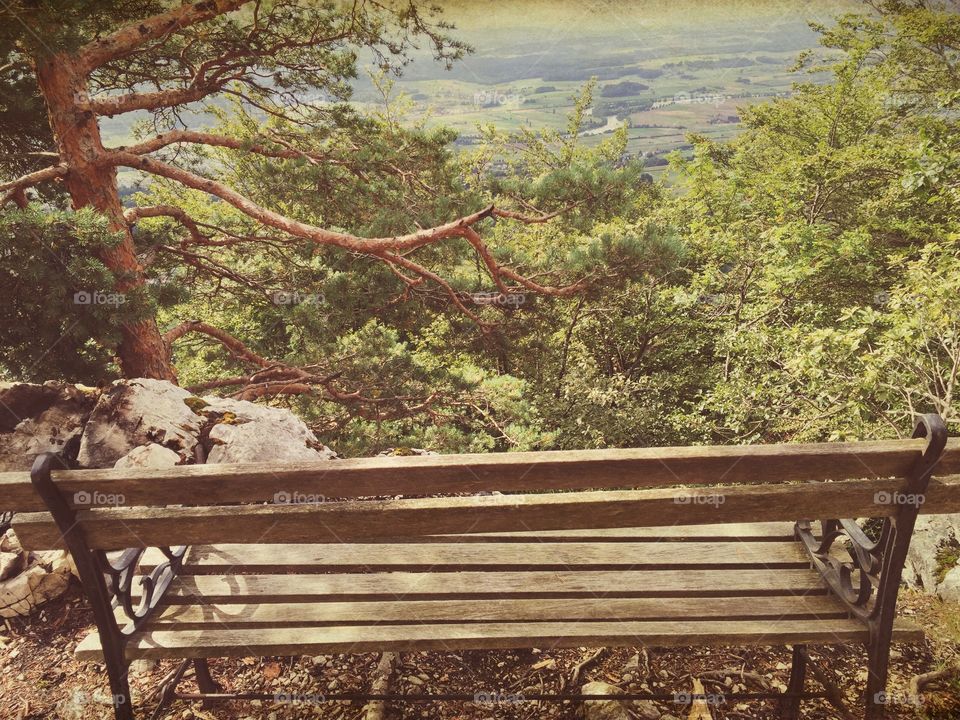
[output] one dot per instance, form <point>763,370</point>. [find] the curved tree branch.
<point>237,348</point>
<point>129,38</point>
<point>178,214</point>
<point>366,246</point>
<point>13,189</point>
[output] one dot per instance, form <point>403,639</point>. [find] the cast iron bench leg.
<point>790,708</point>
<point>205,680</point>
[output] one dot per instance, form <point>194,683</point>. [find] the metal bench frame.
<point>867,583</point>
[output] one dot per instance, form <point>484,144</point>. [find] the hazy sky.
<point>599,15</point>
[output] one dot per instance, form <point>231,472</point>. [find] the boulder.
<point>139,423</point>
<point>44,579</point>
<point>933,536</point>
<point>604,709</point>
<point>645,710</point>
<point>949,589</point>
<point>148,456</point>
<point>41,418</point>
<point>138,412</point>
<point>244,432</point>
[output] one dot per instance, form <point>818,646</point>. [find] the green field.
<point>665,69</point>
<point>662,68</point>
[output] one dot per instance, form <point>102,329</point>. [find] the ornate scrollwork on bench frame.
<point>853,580</point>
<point>119,570</point>
<point>869,575</point>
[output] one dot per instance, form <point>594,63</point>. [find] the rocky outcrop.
<point>132,424</point>
<point>135,421</point>
<point>41,418</point>
<point>933,555</point>
<point>138,412</point>
<point>29,579</point>
<point>245,432</point>
<point>148,456</point>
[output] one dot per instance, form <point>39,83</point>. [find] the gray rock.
<point>40,418</point>
<point>245,432</point>
<point>930,535</point>
<point>645,710</point>
<point>142,666</point>
<point>138,412</point>
<point>604,709</point>
<point>949,589</point>
<point>148,456</point>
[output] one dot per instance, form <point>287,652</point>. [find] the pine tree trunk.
<point>141,352</point>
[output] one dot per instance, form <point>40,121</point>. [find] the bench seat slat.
<point>245,642</point>
<point>440,585</point>
<point>213,559</point>
<point>217,615</point>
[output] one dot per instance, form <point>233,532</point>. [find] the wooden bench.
<point>271,559</point>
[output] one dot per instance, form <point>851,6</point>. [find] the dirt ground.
<point>40,679</point>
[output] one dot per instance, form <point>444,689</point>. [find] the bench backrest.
<point>343,500</point>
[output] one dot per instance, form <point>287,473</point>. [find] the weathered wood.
<point>231,558</point>
<point>115,528</point>
<point>432,474</point>
<point>298,587</point>
<point>781,530</point>
<point>238,642</point>
<point>203,613</point>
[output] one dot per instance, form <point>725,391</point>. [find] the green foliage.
<point>56,296</point>
<point>798,283</point>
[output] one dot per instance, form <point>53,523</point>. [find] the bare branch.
<point>127,39</point>
<point>117,104</point>
<point>237,348</point>
<point>151,211</point>
<point>366,246</point>
<point>205,138</point>
<point>14,189</point>
<point>534,219</point>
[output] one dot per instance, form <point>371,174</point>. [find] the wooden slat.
<point>298,587</point>
<point>232,558</point>
<point>432,474</point>
<point>772,531</point>
<point>346,521</point>
<point>205,614</point>
<point>226,642</point>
